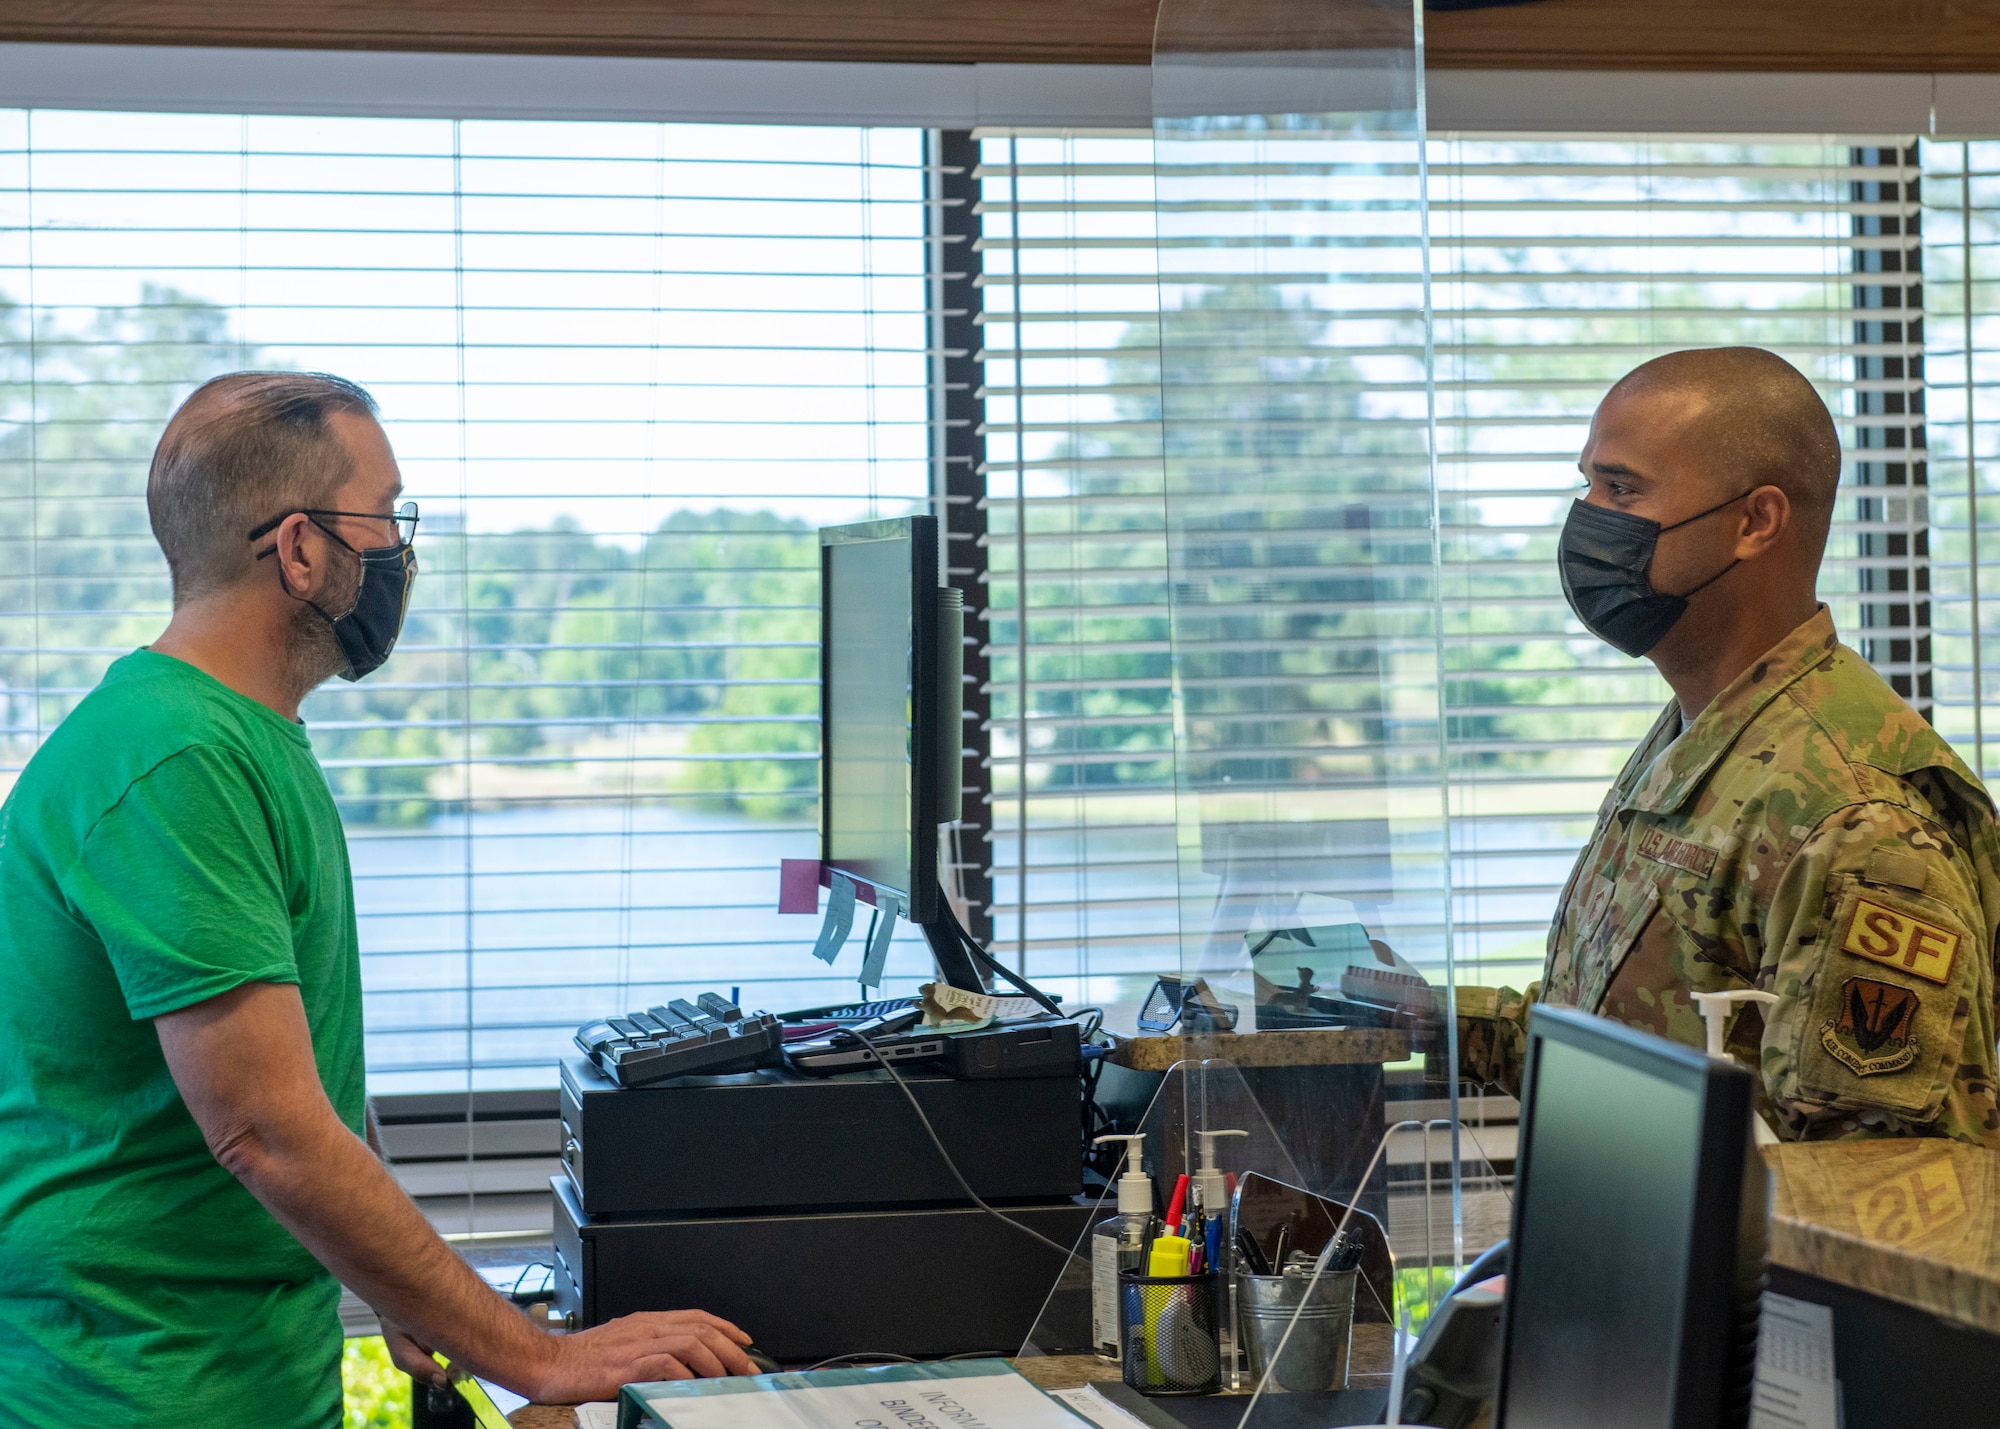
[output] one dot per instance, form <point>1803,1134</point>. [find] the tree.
<point>525,650</point>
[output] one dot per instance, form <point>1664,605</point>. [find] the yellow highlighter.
<point>484,1410</point>
<point>1169,1257</point>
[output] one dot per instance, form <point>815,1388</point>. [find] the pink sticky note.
<point>798,885</point>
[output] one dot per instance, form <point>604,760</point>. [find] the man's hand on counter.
<point>243,1062</point>
<point>665,1344</point>
<point>593,1364</point>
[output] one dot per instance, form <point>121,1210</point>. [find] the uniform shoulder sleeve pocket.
<point>1887,1005</point>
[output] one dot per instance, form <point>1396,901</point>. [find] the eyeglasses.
<point>404,517</point>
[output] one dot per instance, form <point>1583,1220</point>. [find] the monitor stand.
<point>954,964</point>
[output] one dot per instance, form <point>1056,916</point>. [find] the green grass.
<point>377,1393</point>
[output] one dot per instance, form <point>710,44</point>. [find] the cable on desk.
<point>548,1286</point>
<point>951,1165</point>
<point>872,1356</point>
<point>992,964</point>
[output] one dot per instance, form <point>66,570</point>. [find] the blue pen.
<point>1214,1248</point>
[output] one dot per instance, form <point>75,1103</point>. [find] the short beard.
<point>312,652</point>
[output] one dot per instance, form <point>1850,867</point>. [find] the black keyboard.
<point>710,1035</point>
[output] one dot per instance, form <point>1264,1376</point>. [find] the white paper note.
<point>965,1395</point>
<point>1099,1410</point>
<point>1796,1387</point>
<point>940,997</point>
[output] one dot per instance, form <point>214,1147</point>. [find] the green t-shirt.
<point>171,840</point>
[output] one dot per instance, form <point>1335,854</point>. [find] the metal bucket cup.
<point>1315,1357</point>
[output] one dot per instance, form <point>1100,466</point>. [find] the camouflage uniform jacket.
<point>1811,836</point>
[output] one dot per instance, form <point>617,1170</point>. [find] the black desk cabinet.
<point>808,1286</point>
<point>777,1141</point>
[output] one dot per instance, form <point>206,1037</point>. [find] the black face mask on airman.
<point>1605,559</point>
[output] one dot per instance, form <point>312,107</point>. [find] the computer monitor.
<point>884,778</point>
<point>1639,1235</point>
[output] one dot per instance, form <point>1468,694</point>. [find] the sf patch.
<point>1872,1032</point>
<point>1899,940</point>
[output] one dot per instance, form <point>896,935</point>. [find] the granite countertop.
<point>1288,1047</point>
<point>1914,1221</point>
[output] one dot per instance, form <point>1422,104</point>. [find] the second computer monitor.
<point>881,748</point>
<point>1639,1230</point>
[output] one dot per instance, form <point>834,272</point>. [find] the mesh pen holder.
<point>1170,1328</point>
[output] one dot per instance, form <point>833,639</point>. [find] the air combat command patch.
<point>1872,1033</point>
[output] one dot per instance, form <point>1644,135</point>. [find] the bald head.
<point>1751,419</point>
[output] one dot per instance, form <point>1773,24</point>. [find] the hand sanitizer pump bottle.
<point>1715,1008</point>
<point>1210,1186</point>
<point>1117,1244</point>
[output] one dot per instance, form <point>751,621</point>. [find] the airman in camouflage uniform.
<point>1807,835</point>
<point>1811,836</point>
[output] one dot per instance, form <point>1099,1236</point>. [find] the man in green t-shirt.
<point>183,1169</point>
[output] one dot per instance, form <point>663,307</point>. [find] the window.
<point>1961,218</point>
<point>628,369</point>
<point>1563,262</point>
<point>1080,728</point>
<point>1560,261</point>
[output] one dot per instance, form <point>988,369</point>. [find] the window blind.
<point>1561,262</point>
<point>1082,839</point>
<point>628,369</point>
<point>1961,218</point>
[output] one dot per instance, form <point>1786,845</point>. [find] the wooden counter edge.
<point>1952,1292</point>
<point>1288,1047</point>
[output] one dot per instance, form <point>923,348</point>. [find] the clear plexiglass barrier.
<point>1306,1086</point>
<point>1306,1281</point>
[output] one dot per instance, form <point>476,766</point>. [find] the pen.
<point>1213,1259</point>
<point>1251,1253</point>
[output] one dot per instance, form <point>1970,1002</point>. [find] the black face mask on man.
<point>367,632</point>
<point>1605,559</point>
